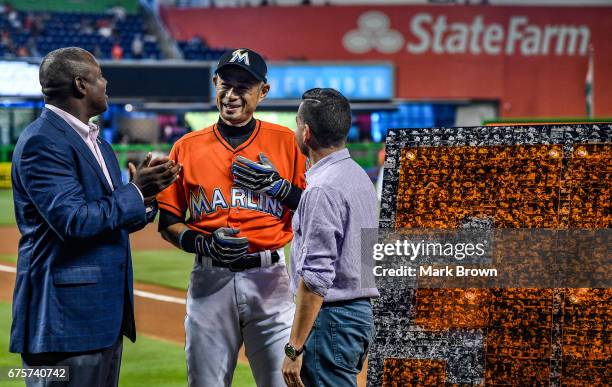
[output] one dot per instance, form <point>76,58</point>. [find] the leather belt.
<point>249,261</point>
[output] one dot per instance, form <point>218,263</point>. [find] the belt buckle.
<point>244,259</point>
<point>232,266</point>
<point>235,269</point>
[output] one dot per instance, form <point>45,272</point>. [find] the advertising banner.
<point>532,59</point>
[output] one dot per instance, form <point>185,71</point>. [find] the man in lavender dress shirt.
<point>333,321</point>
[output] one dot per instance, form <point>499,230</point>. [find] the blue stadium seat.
<point>63,28</point>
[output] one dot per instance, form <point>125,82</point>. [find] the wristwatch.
<point>291,352</point>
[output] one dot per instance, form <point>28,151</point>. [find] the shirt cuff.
<point>316,282</point>
<point>151,211</point>
<point>138,189</point>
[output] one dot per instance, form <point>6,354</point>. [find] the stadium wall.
<point>533,60</point>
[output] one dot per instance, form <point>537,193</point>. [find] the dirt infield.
<point>9,238</point>
<point>162,319</point>
<point>145,239</point>
<point>155,318</point>
<point>160,312</point>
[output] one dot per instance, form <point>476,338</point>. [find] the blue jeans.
<point>338,344</point>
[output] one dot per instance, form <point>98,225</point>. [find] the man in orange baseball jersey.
<point>232,207</point>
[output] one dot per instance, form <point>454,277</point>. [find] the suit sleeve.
<point>172,199</point>
<point>49,176</point>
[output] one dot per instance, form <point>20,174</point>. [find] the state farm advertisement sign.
<point>429,34</point>
<point>533,60</point>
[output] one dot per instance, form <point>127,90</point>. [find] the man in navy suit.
<point>73,298</point>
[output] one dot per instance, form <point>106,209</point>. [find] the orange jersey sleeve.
<point>172,199</point>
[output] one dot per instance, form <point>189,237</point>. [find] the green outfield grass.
<point>170,268</point>
<point>7,359</point>
<point>7,213</point>
<point>146,363</point>
<point>8,258</point>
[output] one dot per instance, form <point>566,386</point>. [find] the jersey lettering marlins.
<point>206,194</point>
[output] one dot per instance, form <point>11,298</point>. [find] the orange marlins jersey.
<point>205,191</point>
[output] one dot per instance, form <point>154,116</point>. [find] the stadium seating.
<point>61,29</point>
<point>197,50</point>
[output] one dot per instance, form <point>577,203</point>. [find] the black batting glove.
<point>260,177</point>
<point>221,245</point>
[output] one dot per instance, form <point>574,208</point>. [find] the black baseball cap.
<point>248,60</point>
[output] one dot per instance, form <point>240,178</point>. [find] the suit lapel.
<point>78,143</point>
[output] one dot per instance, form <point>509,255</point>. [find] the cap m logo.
<point>240,56</point>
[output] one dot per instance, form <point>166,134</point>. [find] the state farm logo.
<point>433,34</point>
<point>373,33</point>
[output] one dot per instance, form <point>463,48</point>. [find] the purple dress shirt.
<point>338,202</point>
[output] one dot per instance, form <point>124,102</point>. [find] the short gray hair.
<point>59,68</point>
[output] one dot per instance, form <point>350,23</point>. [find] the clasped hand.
<point>153,175</point>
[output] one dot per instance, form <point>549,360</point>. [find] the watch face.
<point>290,351</point>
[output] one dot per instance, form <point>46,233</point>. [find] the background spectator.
<point>137,47</point>
<point>117,51</point>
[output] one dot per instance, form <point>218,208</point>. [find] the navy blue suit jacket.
<point>73,290</point>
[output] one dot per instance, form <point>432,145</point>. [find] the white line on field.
<point>159,297</point>
<point>139,293</point>
<point>8,269</point>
